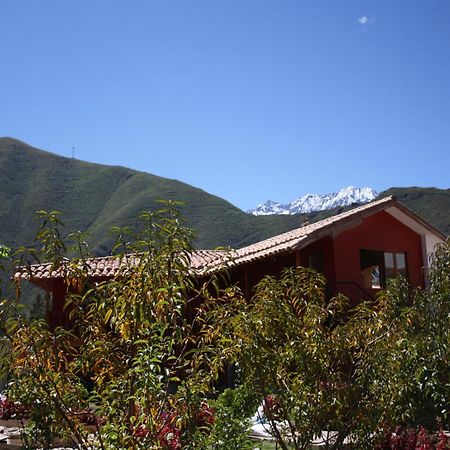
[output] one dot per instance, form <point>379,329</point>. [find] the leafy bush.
<point>147,346</point>
<point>321,366</point>
<point>144,349</point>
<point>231,422</point>
<point>12,410</point>
<point>401,438</point>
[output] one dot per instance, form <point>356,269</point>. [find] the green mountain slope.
<point>430,203</point>
<point>94,197</point>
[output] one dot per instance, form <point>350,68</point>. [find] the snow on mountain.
<point>315,202</point>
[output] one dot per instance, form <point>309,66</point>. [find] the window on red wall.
<point>377,267</point>
<point>316,262</point>
<point>394,264</point>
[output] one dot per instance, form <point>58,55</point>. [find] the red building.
<point>357,251</point>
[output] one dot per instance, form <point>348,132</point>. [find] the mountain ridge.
<point>93,197</point>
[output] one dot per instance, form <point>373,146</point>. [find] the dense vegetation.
<point>138,368</point>
<point>93,197</point>
<point>358,373</point>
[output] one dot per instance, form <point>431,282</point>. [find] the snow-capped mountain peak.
<point>315,202</point>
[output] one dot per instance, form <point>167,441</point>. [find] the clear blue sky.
<point>247,99</point>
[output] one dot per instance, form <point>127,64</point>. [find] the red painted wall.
<point>57,315</point>
<point>249,275</point>
<point>324,246</point>
<point>377,232</point>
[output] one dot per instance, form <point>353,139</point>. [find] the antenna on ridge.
<point>73,152</point>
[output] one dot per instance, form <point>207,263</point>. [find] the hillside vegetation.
<point>430,203</point>
<point>94,197</point>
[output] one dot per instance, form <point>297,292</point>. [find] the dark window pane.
<point>390,273</point>
<point>315,261</point>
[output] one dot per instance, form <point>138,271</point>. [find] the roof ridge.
<point>315,225</point>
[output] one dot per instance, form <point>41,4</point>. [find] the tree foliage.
<point>141,356</point>
<point>145,348</point>
<point>325,371</point>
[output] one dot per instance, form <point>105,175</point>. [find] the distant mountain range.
<point>94,197</point>
<point>314,202</point>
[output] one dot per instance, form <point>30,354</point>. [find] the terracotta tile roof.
<point>108,266</point>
